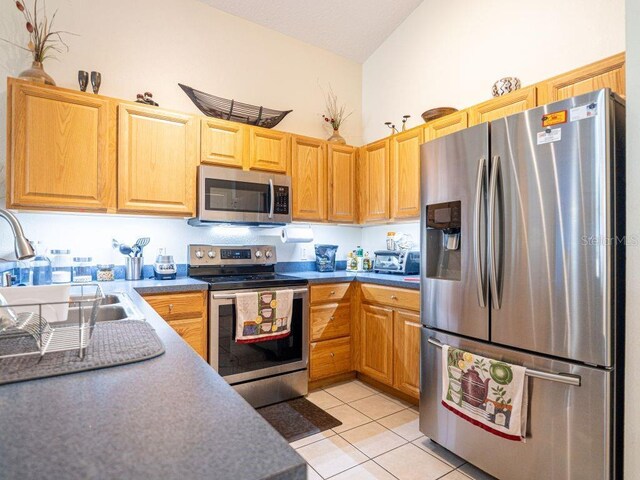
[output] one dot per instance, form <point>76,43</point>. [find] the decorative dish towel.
<point>487,393</point>
<point>263,316</point>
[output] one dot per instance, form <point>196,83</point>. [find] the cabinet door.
<point>157,160</point>
<point>405,174</point>
<point>374,182</point>
<point>514,102</point>
<point>609,72</point>
<point>268,150</point>
<point>329,358</point>
<point>342,183</point>
<point>309,179</point>
<point>194,332</point>
<point>61,151</point>
<point>446,125</point>
<point>222,143</point>
<point>407,352</point>
<point>331,320</point>
<point>376,348</point>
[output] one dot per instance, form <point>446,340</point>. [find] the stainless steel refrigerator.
<point>523,254</point>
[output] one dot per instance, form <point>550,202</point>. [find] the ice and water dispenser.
<point>443,240</point>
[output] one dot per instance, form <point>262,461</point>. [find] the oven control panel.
<point>229,255</point>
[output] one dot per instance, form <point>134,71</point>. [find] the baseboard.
<point>387,389</point>
<point>323,382</point>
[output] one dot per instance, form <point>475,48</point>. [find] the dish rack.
<point>24,330</point>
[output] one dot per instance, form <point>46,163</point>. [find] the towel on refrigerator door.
<point>487,393</point>
<point>263,316</point>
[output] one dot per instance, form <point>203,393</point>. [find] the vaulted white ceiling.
<point>351,28</point>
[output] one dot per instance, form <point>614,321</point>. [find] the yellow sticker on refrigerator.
<point>549,135</point>
<point>554,118</point>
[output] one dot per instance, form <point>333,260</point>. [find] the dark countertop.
<point>171,417</point>
<point>369,277</point>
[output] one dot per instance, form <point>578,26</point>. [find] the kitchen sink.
<point>107,313</point>
<point>118,306</point>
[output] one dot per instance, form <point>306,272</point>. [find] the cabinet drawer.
<point>178,305</point>
<point>330,320</point>
<point>395,297</point>
<point>330,292</point>
<point>330,357</point>
<point>194,332</point>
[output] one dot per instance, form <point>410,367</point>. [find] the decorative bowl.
<point>434,113</point>
<point>505,85</point>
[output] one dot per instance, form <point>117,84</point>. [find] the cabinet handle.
<point>333,354</point>
<point>393,297</point>
<point>333,292</point>
<point>170,307</point>
<point>332,318</point>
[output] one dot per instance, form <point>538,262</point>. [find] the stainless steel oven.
<point>228,195</point>
<point>268,371</point>
<point>263,372</point>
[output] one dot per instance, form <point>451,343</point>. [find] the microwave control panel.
<point>281,204</point>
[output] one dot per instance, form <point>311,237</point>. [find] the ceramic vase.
<point>337,138</point>
<point>37,74</point>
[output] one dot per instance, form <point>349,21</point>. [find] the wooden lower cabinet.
<point>330,330</point>
<point>376,343</point>
<point>186,313</point>
<point>330,358</point>
<point>406,344</point>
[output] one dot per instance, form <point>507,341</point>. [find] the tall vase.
<point>337,138</point>
<point>37,74</point>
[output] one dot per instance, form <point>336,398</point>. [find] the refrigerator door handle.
<point>493,268</point>
<point>566,378</point>
<point>477,232</point>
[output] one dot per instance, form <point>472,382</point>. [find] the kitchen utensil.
<point>96,80</point>
<point>139,245</point>
<point>434,113</point>
<point>133,268</point>
<point>125,249</point>
<point>83,80</point>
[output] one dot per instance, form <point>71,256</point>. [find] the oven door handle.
<point>272,203</point>
<point>232,296</point>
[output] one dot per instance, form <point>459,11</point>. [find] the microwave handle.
<point>272,203</point>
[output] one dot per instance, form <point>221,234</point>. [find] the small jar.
<point>61,266</point>
<point>106,272</point>
<point>82,269</point>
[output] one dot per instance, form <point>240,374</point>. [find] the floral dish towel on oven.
<point>263,316</point>
<point>489,394</point>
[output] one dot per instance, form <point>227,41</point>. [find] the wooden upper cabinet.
<point>223,143</point>
<point>268,150</point>
<point>444,126</point>
<point>499,107</point>
<point>607,73</point>
<point>404,184</point>
<point>309,179</point>
<point>374,182</point>
<point>157,160</point>
<point>342,183</point>
<point>376,343</point>
<point>406,342</point>
<point>60,149</point>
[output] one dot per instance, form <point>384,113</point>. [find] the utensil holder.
<point>133,268</point>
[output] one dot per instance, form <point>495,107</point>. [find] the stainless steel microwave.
<point>227,195</point>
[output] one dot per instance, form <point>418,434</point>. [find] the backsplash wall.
<point>87,234</point>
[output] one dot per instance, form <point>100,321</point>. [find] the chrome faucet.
<point>23,247</point>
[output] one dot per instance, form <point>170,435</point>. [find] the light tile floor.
<point>379,439</point>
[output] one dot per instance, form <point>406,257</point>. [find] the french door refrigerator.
<point>522,236</point>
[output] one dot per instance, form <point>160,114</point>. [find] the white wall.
<point>450,53</point>
<point>632,383</point>
<point>375,237</point>
<point>151,45</point>
<point>92,234</point>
